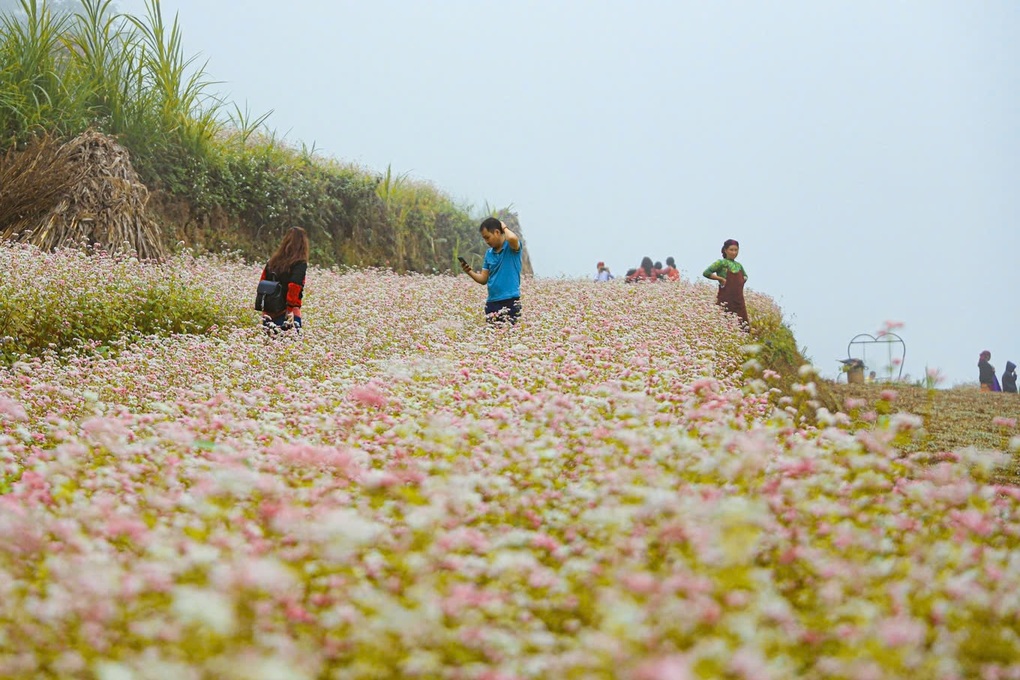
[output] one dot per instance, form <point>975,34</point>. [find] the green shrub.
<point>62,299</point>
<point>778,347</point>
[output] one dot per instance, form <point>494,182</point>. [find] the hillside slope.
<point>608,489</point>
<point>953,419</point>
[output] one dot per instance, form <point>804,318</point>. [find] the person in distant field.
<point>629,278</point>
<point>731,276</point>
<point>1009,378</point>
<point>646,272</point>
<point>657,272</point>
<point>986,373</point>
<point>871,377</point>
<point>288,265</point>
<point>603,273</point>
<point>501,271</point>
<point>671,272</point>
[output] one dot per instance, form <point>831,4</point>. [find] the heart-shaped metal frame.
<point>863,340</point>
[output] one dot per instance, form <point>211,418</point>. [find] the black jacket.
<point>1009,378</point>
<point>294,280</point>
<point>986,373</point>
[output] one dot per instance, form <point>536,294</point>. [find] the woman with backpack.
<point>287,266</point>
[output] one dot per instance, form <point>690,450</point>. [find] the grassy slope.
<point>954,419</point>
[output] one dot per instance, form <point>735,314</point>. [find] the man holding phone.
<point>501,271</point>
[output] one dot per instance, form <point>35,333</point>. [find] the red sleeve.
<point>294,292</point>
<point>296,285</point>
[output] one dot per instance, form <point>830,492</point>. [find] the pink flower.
<point>642,583</point>
<point>369,395</point>
<point>972,519</point>
<point>109,432</point>
<point>750,664</point>
<point>121,525</point>
<point>12,410</point>
<point>902,632</point>
<point>544,542</point>
<point>798,468</point>
<point>673,667</point>
<point>315,456</point>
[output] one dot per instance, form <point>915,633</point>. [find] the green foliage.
<point>30,80</point>
<point>778,346</point>
<point>776,350</point>
<point>86,66</point>
<point>66,72</point>
<point>67,298</point>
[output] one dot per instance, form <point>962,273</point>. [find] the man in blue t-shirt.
<point>501,271</point>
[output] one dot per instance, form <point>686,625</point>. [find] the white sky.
<point>866,154</point>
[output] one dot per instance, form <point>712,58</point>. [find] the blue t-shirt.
<point>504,272</point>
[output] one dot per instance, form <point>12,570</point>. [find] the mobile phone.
<point>461,260</point>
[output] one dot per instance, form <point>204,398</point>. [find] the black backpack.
<point>271,297</point>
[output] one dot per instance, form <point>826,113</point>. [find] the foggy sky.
<point>865,154</point>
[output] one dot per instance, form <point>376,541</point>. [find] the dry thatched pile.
<point>81,192</point>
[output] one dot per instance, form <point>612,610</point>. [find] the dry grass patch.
<point>954,419</point>
<point>83,191</point>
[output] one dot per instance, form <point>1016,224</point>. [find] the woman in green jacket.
<point>731,277</point>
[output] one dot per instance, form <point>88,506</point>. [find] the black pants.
<point>503,311</point>
<point>280,323</point>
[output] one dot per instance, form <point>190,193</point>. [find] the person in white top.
<point>604,273</point>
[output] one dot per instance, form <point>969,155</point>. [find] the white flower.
<point>206,608</point>
<point>111,670</point>
<point>344,531</point>
<point>269,574</point>
<point>984,461</point>
<point>267,668</point>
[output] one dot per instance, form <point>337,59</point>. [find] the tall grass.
<point>178,89</point>
<point>67,72</point>
<point>34,91</point>
<point>104,69</point>
<point>220,177</point>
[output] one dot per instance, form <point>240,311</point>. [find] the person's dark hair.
<point>491,224</point>
<point>986,355</point>
<point>670,262</point>
<point>726,244</point>
<point>646,264</point>
<point>293,248</point>
<point>657,265</point>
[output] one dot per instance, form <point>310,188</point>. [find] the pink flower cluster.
<point>602,491</point>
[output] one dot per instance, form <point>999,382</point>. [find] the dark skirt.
<point>731,296</point>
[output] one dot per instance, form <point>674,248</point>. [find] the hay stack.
<point>78,193</point>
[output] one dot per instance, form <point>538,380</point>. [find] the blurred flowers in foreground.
<point>604,491</point>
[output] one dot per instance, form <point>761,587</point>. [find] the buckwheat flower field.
<point>611,489</point>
